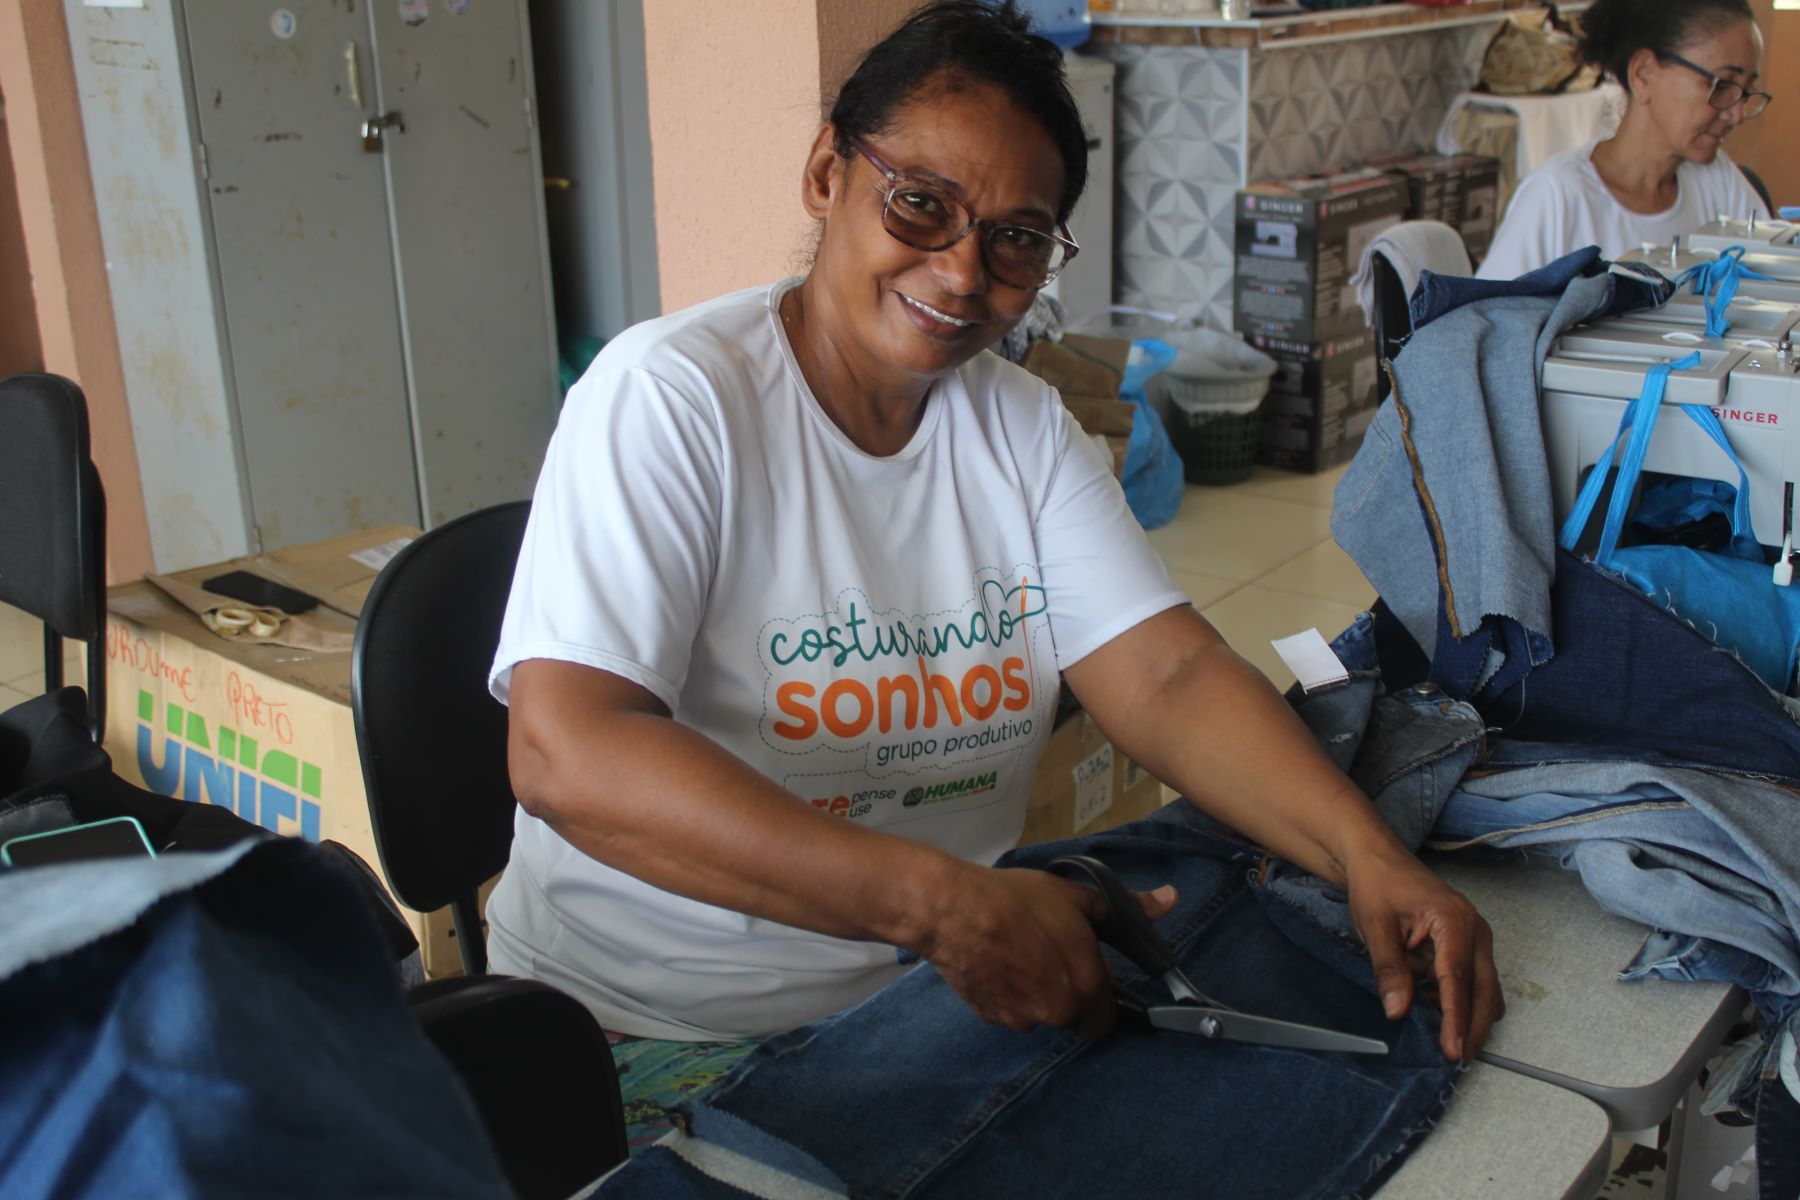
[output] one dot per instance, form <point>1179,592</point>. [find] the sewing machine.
<point>1762,236</point>
<point>1751,382</point>
<point>1784,267</point>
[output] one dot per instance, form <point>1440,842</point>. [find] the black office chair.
<point>53,527</point>
<point>1759,187</point>
<point>431,738</point>
<point>433,748</point>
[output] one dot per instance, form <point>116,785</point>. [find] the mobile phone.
<point>115,837</point>
<point>264,593</point>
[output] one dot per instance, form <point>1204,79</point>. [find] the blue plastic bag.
<point>1152,477</point>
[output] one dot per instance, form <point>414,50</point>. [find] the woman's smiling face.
<point>923,313</point>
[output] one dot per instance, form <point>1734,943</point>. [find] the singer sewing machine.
<point>1761,236</point>
<point>1752,383</point>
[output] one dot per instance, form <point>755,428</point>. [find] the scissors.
<point>1128,930</point>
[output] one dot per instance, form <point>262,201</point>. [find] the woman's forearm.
<point>641,793</point>
<point>1197,716</point>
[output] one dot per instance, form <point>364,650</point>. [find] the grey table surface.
<point>1507,1136</point>
<point>1503,1136</point>
<point>1632,1047</point>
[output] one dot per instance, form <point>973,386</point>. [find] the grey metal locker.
<point>370,211</point>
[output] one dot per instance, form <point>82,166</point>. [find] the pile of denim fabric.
<point>910,1094</point>
<point>1621,741</point>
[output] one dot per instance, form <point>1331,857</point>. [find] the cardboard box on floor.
<point>1320,403</point>
<point>1086,372</point>
<point>263,729</point>
<point>1085,784</point>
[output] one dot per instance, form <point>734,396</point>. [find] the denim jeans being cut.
<point>909,1094</point>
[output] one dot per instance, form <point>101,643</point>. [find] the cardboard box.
<point>1086,372</point>
<point>1298,244</point>
<point>263,729</point>
<point>1085,784</point>
<point>1320,402</point>
<point>1461,190</point>
<point>1434,185</point>
<point>1480,214</point>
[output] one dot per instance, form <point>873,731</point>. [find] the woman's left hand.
<point>1410,919</point>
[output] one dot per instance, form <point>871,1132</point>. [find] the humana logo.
<point>950,791</point>
<point>267,787</point>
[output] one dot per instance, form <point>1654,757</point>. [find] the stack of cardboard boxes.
<point>1299,243</point>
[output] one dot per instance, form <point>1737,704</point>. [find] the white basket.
<point>1216,372</point>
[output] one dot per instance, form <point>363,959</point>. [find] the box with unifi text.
<point>262,729</point>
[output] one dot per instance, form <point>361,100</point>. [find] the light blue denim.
<point>1453,474</point>
<point>909,1094</point>
<point>1645,853</point>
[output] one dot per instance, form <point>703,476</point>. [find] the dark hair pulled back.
<point>1612,31</point>
<point>953,42</point>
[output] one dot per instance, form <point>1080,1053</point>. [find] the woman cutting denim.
<point>805,568</point>
<point>1690,68</point>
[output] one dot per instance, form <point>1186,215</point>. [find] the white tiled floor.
<point>1257,559</point>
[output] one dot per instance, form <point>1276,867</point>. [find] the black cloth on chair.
<point>53,525</point>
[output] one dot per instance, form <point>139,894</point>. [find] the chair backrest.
<point>1759,187</point>
<point>1393,321</point>
<point>53,525</point>
<point>431,738</point>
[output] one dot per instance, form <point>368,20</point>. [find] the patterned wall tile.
<point>1194,125</point>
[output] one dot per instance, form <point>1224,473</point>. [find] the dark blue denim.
<point>1440,294</point>
<point>910,1095</point>
<point>241,1035</point>
<point>1777,1142</point>
<point>1406,749</point>
<point>1630,676</point>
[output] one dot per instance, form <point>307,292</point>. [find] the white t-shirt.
<point>1565,205</point>
<point>881,636</point>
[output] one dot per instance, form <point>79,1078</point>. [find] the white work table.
<point>1632,1047</point>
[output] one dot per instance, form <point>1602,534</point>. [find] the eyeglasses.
<point>1725,94</point>
<point>925,217</point>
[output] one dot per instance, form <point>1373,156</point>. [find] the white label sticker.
<point>456,8</point>
<point>414,12</point>
<point>1311,660</point>
<point>1093,786</point>
<point>377,557</point>
<point>1134,774</point>
<point>282,24</point>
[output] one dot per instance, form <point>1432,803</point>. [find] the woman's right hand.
<point>1019,948</point>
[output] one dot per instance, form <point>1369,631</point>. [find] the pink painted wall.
<point>733,94</point>
<point>734,102</point>
<point>68,268</point>
<point>20,349</point>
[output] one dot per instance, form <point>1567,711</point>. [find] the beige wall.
<point>1759,144</point>
<point>20,349</point>
<point>734,103</point>
<point>62,246</point>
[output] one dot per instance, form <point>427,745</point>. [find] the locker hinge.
<point>205,170</point>
<point>530,117</point>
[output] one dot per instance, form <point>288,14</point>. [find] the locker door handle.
<point>372,127</point>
